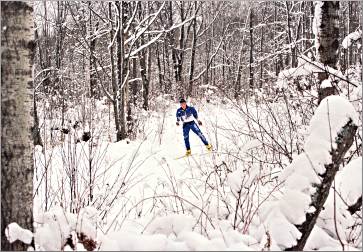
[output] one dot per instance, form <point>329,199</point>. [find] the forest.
<point>92,145</point>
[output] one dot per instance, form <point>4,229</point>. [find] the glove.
<point>200,123</point>
<point>177,123</point>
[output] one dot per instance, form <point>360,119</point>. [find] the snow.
<point>57,225</point>
<point>145,199</point>
<point>249,194</point>
<point>348,186</point>
<point>308,67</point>
<point>320,239</point>
<point>317,21</point>
<point>352,37</point>
<point>171,224</point>
<point>185,240</point>
<point>349,182</point>
<point>120,241</point>
<point>326,83</point>
<point>330,117</point>
<point>14,232</point>
<point>234,180</point>
<point>281,230</point>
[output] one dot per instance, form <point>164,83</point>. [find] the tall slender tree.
<point>17,42</point>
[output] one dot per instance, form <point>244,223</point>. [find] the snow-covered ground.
<point>145,198</point>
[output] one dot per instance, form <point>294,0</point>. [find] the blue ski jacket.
<point>187,115</point>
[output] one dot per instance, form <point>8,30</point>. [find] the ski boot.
<point>188,153</point>
<point>209,147</point>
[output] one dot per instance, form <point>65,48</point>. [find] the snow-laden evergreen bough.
<point>308,178</point>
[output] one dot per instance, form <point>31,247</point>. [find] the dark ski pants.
<point>194,127</point>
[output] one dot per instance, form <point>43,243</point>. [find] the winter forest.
<point>94,155</point>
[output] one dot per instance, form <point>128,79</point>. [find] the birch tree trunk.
<point>17,42</point>
<point>326,21</point>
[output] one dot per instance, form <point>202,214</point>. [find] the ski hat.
<point>182,100</point>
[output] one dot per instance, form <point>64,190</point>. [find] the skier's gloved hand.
<point>200,122</point>
<point>177,123</point>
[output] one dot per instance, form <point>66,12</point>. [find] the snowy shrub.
<point>63,228</point>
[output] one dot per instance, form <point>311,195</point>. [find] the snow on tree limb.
<point>351,38</point>
<point>307,67</point>
<point>152,41</point>
<point>308,178</point>
<point>14,232</point>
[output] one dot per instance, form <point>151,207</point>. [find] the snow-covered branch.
<point>309,177</point>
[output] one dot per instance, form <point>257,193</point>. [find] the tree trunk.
<point>92,48</point>
<point>17,42</point>
<point>134,86</point>
<point>261,48</point>
<point>160,73</point>
<point>145,81</point>
<point>326,40</point>
<point>237,84</point>
<point>36,131</point>
<point>251,51</point>
<point>192,56</point>
<point>143,73</point>
<point>121,72</point>
<point>290,40</point>
<point>180,52</point>
<point>113,78</point>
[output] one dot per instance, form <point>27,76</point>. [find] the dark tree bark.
<point>17,42</point>
<point>356,206</point>
<point>121,70</point>
<point>171,42</point>
<point>160,71</point>
<point>94,92</point>
<point>143,73</point>
<point>133,85</point>
<point>261,47</point>
<point>36,130</point>
<point>61,14</point>
<point>192,56</point>
<point>326,40</point>
<point>251,52</point>
<point>145,80</point>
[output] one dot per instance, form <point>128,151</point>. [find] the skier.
<point>187,115</point>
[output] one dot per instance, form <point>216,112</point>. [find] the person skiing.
<point>187,115</point>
